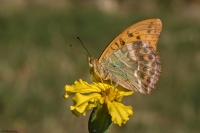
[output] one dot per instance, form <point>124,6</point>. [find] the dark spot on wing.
<point>141,57</point>
<point>145,86</point>
<point>150,57</point>
<point>153,64</point>
<point>148,31</point>
<point>121,42</point>
<point>151,72</point>
<point>145,50</point>
<point>137,44</point>
<point>117,44</point>
<point>146,62</point>
<point>142,75</point>
<point>148,80</point>
<point>144,69</point>
<point>129,34</point>
<point>138,37</point>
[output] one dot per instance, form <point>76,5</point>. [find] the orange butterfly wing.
<point>147,30</point>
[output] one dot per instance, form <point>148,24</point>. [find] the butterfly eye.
<point>90,61</point>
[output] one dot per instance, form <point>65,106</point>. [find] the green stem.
<point>100,120</point>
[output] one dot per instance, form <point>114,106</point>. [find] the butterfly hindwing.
<point>129,67</point>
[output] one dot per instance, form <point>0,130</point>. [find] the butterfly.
<point>131,60</point>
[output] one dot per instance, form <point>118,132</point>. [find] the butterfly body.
<point>131,60</point>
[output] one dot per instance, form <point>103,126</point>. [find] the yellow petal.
<point>82,103</point>
<point>119,112</point>
<point>66,96</point>
<point>81,86</point>
<point>126,93</point>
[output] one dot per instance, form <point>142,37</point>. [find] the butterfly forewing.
<point>148,30</point>
<point>131,59</point>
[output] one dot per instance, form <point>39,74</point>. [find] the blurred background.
<point>36,63</point>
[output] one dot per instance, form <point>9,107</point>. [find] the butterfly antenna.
<point>83,45</point>
<point>78,50</point>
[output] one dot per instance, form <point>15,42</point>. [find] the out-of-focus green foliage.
<point>36,63</point>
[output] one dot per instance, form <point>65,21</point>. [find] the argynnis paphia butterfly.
<point>131,60</point>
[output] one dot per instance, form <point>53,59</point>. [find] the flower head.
<point>87,96</point>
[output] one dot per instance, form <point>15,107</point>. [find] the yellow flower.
<point>87,96</point>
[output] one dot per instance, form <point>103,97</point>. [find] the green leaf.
<point>100,120</point>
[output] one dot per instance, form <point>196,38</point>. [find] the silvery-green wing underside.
<point>135,66</point>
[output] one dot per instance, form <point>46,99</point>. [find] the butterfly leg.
<point>110,79</point>
<point>97,76</point>
<point>116,84</point>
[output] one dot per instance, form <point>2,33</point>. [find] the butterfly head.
<point>95,69</point>
<point>92,61</point>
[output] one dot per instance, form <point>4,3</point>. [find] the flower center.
<point>111,94</point>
